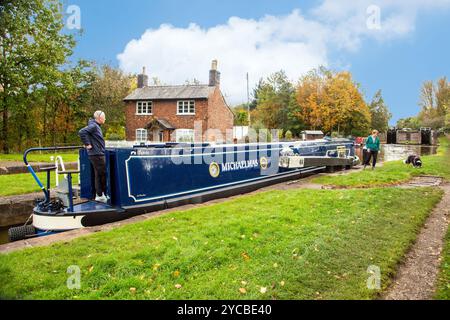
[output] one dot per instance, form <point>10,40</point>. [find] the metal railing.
<point>33,173</point>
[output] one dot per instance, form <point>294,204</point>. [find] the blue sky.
<point>410,47</point>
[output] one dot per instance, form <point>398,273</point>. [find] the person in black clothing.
<point>92,138</point>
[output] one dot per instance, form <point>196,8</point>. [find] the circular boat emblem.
<point>214,170</point>
<point>264,163</point>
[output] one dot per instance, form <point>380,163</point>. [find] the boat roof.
<point>296,143</point>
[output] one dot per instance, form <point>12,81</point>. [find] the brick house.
<point>169,113</point>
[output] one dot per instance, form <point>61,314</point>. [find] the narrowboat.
<point>146,178</point>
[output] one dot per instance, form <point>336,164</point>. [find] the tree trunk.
<point>5,128</point>
<point>44,120</point>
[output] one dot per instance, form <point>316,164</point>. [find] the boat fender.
<point>20,233</point>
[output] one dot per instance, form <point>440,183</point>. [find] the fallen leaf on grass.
<point>245,256</point>
<point>242,290</point>
<point>133,290</point>
<point>178,286</point>
<point>156,266</point>
<point>263,290</point>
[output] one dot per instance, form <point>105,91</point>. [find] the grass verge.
<point>16,184</point>
<point>296,244</point>
<point>39,157</point>
<point>443,284</point>
<point>394,172</point>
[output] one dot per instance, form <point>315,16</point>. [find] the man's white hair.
<point>98,114</point>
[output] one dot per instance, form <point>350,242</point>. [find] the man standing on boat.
<point>92,138</point>
<point>372,148</point>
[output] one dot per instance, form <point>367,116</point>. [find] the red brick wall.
<point>220,117</point>
<point>212,112</point>
<point>163,109</point>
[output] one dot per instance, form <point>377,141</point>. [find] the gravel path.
<point>416,276</point>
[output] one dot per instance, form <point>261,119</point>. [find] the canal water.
<point>389,152</point>
<point>4,234</point>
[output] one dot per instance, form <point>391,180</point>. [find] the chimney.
<point>214,75</point>
<point>142,79</point>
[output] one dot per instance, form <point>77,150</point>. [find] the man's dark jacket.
<point>92,134</point>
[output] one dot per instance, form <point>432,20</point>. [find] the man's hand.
<point>89,147</point>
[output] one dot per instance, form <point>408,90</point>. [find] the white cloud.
<point>295,42</point>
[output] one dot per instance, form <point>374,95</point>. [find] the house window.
<point>144,107</point>
<point>184,135</point>
<point>141,135</point>
<point>186,107</point>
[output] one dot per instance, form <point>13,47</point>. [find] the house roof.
<point>162,123</point>
<point>312,132</point>
<point>171,92</point>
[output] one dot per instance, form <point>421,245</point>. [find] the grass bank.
<point>394,172</point>
<point>443,286</point>
<point>296,244</point>
<point>15,184</point>
<point>39,157</point>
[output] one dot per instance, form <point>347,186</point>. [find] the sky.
<point>390,45</point>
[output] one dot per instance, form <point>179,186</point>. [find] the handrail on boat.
<point>33,173</point>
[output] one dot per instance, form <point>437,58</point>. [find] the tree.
<point>109,87</point>
<point>309,94</point>
<point>447,122</point>
<point>380,113</point>
<point>411,122</point>
<point>435,102</point>
<point>332,102</point>
<point>32,49</point>
<point>240,115</point>
<point>276,97</point>
<point>442,96</point>
<point>256,91</point>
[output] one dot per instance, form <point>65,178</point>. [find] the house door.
<point>157,135</point>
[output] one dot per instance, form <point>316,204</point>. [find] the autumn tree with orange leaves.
<point>332,101</point>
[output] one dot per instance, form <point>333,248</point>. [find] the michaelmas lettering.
<point>244,164</point>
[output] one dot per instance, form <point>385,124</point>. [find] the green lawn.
<point>443,288</point>
<point>13,184</point>
<point>395,171</point>
<point>296,244</point>
<point>37,157</point>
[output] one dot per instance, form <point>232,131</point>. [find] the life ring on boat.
<point>214,169</point>
<point>264,163</point>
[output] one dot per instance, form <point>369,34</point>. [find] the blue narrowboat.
<point>146,178</point>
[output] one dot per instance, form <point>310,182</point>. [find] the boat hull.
<point>144,180</point>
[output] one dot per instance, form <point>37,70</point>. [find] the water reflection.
<point>391,152</point>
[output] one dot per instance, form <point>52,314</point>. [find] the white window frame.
<point>140,133</point>
<point>184,135</point>
<point>186,107</point>
<point>148,105</point>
